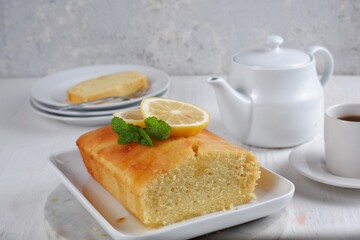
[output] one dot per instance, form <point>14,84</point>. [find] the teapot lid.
<point>272,56</point>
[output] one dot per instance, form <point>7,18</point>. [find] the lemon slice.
<point>184,118</point>
<point>133,116</point>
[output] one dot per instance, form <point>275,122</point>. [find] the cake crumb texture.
<point>124,84</point>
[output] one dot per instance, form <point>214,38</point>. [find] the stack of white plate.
<point>48,94</point>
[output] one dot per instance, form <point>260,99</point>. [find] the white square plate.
<point>273,193</point>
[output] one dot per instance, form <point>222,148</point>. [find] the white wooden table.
<point>27,140</point>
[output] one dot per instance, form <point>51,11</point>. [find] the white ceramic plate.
<point>309,160</point>
<point>74,113</point>
<point>273,193</point>
<point>79,113</point>
<point>51,90</point>
<point>80,121</point>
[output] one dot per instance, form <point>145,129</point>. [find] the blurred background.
<point>181,37</point>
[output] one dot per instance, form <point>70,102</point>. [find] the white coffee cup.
<point>342,140</point>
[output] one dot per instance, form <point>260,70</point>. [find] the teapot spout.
<point>235,108</point>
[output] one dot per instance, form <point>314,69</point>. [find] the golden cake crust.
<point>139,163</point>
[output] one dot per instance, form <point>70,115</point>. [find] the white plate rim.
<point>73,113</point>
<point>275,203</point>
<point>299,162</point>
<point>78,113</point>
<point>80,121</point>
<point>46,87</point>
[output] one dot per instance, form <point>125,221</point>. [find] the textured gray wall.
<point>181,37</point>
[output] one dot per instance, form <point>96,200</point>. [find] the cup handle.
<point>328,62</point>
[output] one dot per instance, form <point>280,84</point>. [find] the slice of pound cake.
<point>176,179</point>
<point>123,84</point>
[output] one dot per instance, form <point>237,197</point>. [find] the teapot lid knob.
<point>274,41</point>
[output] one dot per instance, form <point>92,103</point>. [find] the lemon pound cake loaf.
<point>176,179</point>
<point>122,84</point>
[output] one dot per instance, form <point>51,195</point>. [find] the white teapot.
<point>273,97</point>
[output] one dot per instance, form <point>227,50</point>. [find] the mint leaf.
<point>125,133</point>
<point>144,137</point>
<point>158,129</point>
<point>128,133</point>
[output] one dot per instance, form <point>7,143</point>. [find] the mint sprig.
<point>128,133</point>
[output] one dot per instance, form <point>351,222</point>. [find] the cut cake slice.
<point>177,179</point>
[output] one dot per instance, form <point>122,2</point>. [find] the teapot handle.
<point>328,62</point>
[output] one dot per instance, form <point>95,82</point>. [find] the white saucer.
<point>308,159</point>
<point>51,90</point>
